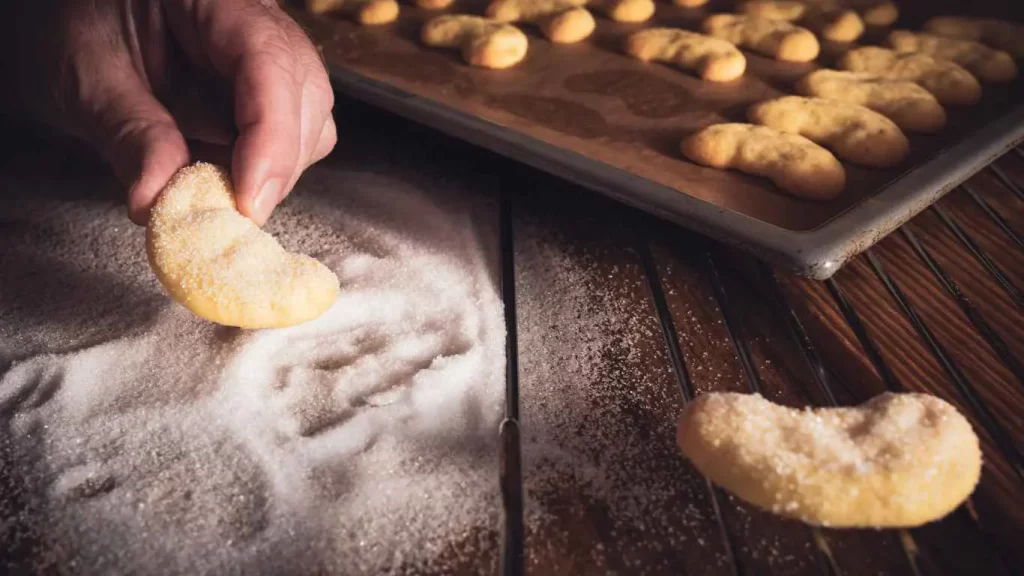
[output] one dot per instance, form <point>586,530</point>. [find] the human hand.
<point>135,78</point>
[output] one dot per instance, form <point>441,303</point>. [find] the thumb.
<point>140,140</point>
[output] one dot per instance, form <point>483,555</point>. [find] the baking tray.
<point>590,114</point>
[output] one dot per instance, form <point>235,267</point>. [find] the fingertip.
<point>261,206</point>
<point>259,180</point>
<point>163,152</point>
<point>328,140</point>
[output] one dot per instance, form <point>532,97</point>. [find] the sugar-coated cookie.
<point>854,133</point>
<point>221,266</point>
<point>713,59</point>
<point>484,43</point>
<point>906,103</point>
<point>898,460</point>
<point>561,21</point>
<point>1001,34</point>
<point>776,38</point>
<point>948,81</point>
<point>984,62</point>
<point>793,162</point>
<point>366,12</point>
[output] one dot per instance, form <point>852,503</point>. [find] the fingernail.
<point>267,199</point>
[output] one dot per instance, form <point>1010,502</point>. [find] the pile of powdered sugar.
<point>137,438</point>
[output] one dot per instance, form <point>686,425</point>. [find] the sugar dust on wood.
<point>598,416</point>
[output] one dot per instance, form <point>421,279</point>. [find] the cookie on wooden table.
<point>896,461</point>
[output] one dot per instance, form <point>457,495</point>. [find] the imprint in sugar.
<point>363,441</point>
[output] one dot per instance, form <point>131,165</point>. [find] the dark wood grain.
<point>615,496</point>
<point>712,356</point>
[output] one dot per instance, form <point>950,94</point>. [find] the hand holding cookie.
<point>221,266</point>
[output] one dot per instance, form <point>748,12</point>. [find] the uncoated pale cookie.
<point>788,10</point>
<point>793,162</point>
<point>980,60</point>
<point>561,21</point>
<point>625,10</point>
<point>947,80</point>
<point>904,102</point>
<point>714,59</point>
<point>878,13</point>
<point>366,12</point>
<point>999,34</point>
<point>898,460</point>
<point>837,25</point>
<point>777,38</point>
<point>830,22</point>
<point>221,266</point>
<point>853,132</point>
<point>434,4</point>
<point>484,43</point>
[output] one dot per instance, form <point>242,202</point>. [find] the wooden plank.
<point>852,371</point>
<point>991,300</point>
<point>991,378</point>
<point>989,238</point>
<point>783,375</point>
<point>606,488</point>
<point>763,542</point>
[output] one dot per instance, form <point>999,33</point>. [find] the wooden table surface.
<point>661,315</point>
